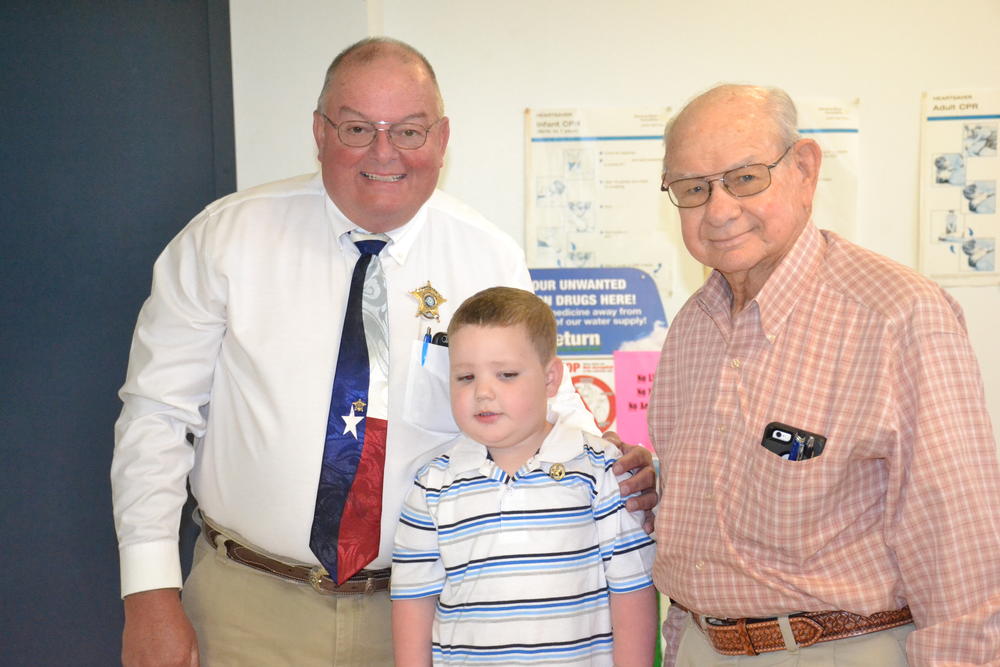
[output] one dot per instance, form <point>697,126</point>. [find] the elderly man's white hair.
<point>777,104</point>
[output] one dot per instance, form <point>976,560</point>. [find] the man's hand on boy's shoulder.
<point>639,460</point>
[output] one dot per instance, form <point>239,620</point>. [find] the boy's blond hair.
<point>508,307</point>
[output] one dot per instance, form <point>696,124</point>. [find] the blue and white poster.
<point>604,315</point>
<point>601,311</point>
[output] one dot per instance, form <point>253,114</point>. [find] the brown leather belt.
<point>751,636</point>
<point>365,581</point>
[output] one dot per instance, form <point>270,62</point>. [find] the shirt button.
<point>770,338</point>
<point>722,428</point>
<point>700,564</point>
<point>735,363</point>
<point>709,495</point>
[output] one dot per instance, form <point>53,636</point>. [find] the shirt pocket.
<point>781,508</point>
<point>427,403</point>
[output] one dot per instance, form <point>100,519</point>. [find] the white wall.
<point>495,59</point>
<point>280,54</point>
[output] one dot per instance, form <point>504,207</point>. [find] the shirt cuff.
<point>148,566</point>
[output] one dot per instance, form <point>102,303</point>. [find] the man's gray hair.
<point>777,103</point>
<point>371,49</point>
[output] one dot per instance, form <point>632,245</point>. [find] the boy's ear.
<point>553,376</point>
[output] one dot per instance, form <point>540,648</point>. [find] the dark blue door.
<point>116,122</point>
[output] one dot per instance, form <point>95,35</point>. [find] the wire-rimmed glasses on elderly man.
<point>750,179</point>
<point>361,133</point>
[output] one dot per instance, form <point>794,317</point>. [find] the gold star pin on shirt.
<point>428,302</point>
<point>557,471</point>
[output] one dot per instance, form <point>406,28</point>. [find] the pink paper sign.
<point>634,372</point>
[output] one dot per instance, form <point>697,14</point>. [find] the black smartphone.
<point>792,443</point>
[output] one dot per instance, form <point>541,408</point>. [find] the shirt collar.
<point>466,454</point>
<point>401,239</point>
<point>562,444</point>
<point>715,296</point>
<point>794,276</point>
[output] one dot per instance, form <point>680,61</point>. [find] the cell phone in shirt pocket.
<point>794,444</point>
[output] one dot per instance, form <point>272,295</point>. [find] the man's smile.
<point>383,178</point>
<point>729,241</point>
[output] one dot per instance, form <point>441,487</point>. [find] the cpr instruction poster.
<point>593,191</point>
<point>959,170</point>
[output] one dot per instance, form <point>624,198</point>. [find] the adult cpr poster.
<point>959,170</point>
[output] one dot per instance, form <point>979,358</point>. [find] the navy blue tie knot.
<point>370,247</point>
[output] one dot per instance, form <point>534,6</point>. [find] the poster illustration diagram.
<point>959,170</point>
<point>592,188</point>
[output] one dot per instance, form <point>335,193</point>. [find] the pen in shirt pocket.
<point>440,339</point>
<point>423,350</point>
<point>798,445</point>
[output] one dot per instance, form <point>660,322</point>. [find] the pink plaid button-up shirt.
<point>902,506</point>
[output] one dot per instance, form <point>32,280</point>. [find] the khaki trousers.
<point>245,618</point>
<point>882,649</point>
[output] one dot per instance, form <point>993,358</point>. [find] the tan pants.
<point>245,618</point>
<point>884,649</point>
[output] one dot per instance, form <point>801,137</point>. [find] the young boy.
<point>515,547</point>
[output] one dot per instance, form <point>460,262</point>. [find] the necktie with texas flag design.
<point>347,522</point>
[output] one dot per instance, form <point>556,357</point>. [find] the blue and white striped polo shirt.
<point>523,565</point>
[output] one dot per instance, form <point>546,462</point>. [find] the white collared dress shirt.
<point>237,344</point>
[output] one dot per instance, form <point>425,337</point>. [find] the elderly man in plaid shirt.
<point>831,488</point>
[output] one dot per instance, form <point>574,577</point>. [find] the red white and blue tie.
<point>347,522</point>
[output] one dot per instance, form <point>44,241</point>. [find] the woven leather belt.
<point>751,636</point>
<point>365,581</point>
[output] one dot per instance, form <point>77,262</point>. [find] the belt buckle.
<point>316,574</point>
<point>744,634</point>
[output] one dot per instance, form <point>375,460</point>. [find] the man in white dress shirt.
<point>237,346</point>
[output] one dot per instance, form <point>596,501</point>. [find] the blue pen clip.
<point>423,351</point>
<point>797,444</point>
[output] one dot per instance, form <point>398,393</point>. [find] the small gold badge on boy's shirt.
<point>429,300</point>
<point>557,471</point>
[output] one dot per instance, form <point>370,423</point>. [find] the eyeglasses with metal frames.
<point>361,133</point>
<point>745,181</point>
